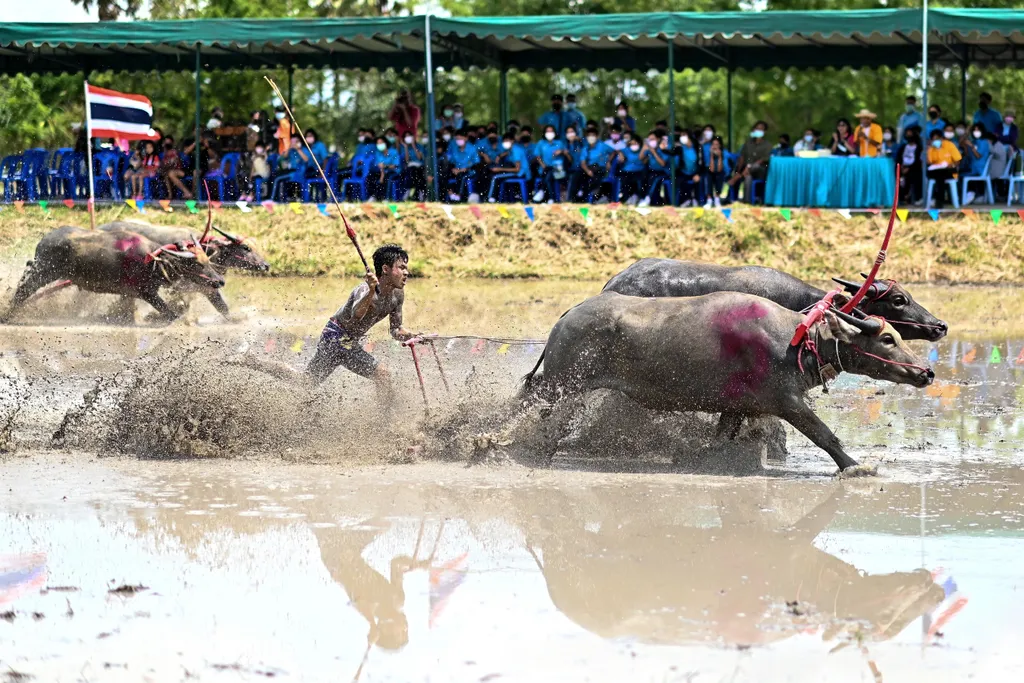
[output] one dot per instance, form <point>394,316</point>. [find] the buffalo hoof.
<point>859,471</point>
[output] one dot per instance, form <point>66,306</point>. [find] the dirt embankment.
<point>561,243</point>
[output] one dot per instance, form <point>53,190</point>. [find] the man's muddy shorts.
<point>336,348</point>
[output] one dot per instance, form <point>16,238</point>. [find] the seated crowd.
<point>565,157</point>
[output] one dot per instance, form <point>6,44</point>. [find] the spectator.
<point>808,143</point>
<point>574,155</point>
<point>977,151</point>
<point>986,115</point>
<point>707,135</point>
<point>655,156</point>
<point>283,132</point>
<point>391,135</point>
<point>259,132</point>
<point>366,145</point>
<point>689,170</point>
<point>552,158</point>
<point>888,142</point>
<point>511,163</point>
<point>623,118</point>
<point>512,127</point>
<point>961,137</point>
<point>715,168</point>
<point>1000,157</point>
<point>595,164</point>
<point>458,120</point>
<point>216,119</point>
<point>910,118</point>
<point>935,121</point>
<point>843,142</point>
<point>615,140</point>
<point>909,155</point>
<point>405,114</point>
<point>526,140</point>
<point>868,135</point>
<point>783,149</point>
<point>943,157</point>
<point>447,118</point>
<point>294,164</point>
<point>144,164</point>
<point>387,165</point>
<point>258,167</point>
<point>171,170</point>
<point>206,157</point>
<point>753,161</point>
<point>556,118</point>
<point>463,157</point>
<point>1007,133</point>
<point>414,160</point>
<point>319,152</point>
<point>576,119</point>
<point>489,148</point>
<point>631,175</point>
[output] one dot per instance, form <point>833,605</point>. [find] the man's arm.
<point>364,305</point>
<point>398,331</point>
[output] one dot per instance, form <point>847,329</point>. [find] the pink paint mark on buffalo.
<point>748,348</point>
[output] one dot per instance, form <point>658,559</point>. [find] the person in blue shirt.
<point>297,160</point>
<point>463,157</point>
<point>386,166</point>
<point>488,146</point>
<point>689,156</point>
<point>557,118</point>
<point>935,121</point>
<point>552,161</point>
<point>783,149</point>
<point>414,164</point>
<point>574,148</point>
<point>512,163</point>
<point>986,115</point>
<point>623,118</point>
<point>910,118</point>
<point>976,149</point>
<point>655,156</point>
<point>595,164</point>
<point>365,149</point>
<point>1007,133</point>
<point>889,143</point>
<point>631,171</point>
<point>575,117</point>
<point>319,152</point>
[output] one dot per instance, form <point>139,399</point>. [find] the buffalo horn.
<point>230,237</point>
<point>853,287</point>
<point>179,254</point>
<point>870,326</point>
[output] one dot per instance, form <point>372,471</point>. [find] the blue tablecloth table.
<point>831,182</point>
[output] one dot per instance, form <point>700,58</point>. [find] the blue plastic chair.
<point>64,181</point>
<point>754,185</point>
<point>361,168</point>
<point>512,183</point>
<point>226,175</point>
<point>613,180</point>
<point>982,178</point>
<point>26,176</point>
<point>952,193</point>
<point>331,171</point>
<point>101,161</point>
<point>8,167</point>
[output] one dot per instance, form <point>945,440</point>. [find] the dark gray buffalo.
<point>225,251</point>
<point>114,262</point>
<point>668,277</point>
<point>725,353</point>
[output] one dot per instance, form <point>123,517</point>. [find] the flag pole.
<point>88,151</point>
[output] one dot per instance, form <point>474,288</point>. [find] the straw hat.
<point>865,114</point>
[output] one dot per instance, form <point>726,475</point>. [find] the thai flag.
<point>113,114</point>
<point>952,603</point>
<point>443,582</point>
<point>21,574</point>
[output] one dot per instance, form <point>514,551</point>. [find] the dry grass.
<point>560,243</point>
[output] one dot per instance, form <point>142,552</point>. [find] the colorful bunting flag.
<point>394,209</point>
<point>141,205</point>
<point>270,345</point>
<point>643,211</point>
<point>874,212</point>
<point>845,213</point>
<point>449,346</point>
<point>191,204</point>
<point>215,204</point>
<point>996,356</point>
<point>614,206</point>
<point>503,212</point>
<point>967,212</point>
<point>996,215</point>
<point>503,349</point>
<point>443,582</point>
<point>268,205</point>
<point>584,211</point>
<point>70,203</point>
<point>322,208</point>
<point>448,212</point>
<point>529,212</point>
<point>786,213</point>
<point>1020,214</point>
<point>728,215</point>
<point>243,206</point>
<point>165,204</point>
<point>933,355</point>
<point>698,212</point>
<point>297,346</point>
<point>902,214</point>
<point>369,346</point>
<point>757,212</point>
<point>1020,357</point>
<point>814,212</point>
<point>934,214</point>
<point>971,354</point>
<point>478,346</point>
<point>475,210</point>
<point>296,208</point>
<point>19,206</point>
<point>43,206</point>
<point>421,206</point>
<point>368,210</point>
<point>132,204</point>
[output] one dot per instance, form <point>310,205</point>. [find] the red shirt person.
<point>404,114</point>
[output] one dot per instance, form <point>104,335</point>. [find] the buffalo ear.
<point>840,329</point>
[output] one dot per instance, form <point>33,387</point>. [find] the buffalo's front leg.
<point>811,426</point>
<point>217,300</point>
<point>154,300</point>
<point>729,426</point>
<point>33,278</point>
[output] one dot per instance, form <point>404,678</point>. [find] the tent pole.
<point>728,87</point>
<point>432,142</point>
<point>672,113</point>
<point>503,100</point>
<point>197,150</point>
<point>924,83</point>
<point>963,87</point>
<point>291,90</point>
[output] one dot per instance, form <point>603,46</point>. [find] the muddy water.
<point>263,567</point>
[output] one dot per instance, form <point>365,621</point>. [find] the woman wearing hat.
<point>868,134</point>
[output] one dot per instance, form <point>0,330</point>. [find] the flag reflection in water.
<point>444,579</point>
<point>20,574</point>
<point>953,602</point>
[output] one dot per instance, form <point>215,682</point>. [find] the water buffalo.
<point>725,353</point>
<point>225,251</point>
<point>668,277</point>
<point>114,262</point>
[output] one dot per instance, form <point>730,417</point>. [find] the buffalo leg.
<point>729,426</point>
<point>154,300</point>
<point>31,280</point>
<point>123,311</point>
<point>218,302</point>
<point>811,426</point>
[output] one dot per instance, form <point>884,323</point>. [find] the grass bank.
<point>561,243</point>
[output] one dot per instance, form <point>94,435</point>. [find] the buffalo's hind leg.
<point>810,425</point>
<point>729,426</point>
<point>31,280</point>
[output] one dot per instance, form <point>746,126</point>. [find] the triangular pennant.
<point>971,354</point>
<point>1020,357</point>
<point>934,214</point>
<point>786,213</point>
<point>614,206</point>
<point>448,212</point>
<point>322,208</point>
<point>296,208</point>
<point>933,355</point>
<point>297,346</point>
<point>874,211</point>
<point>1020,214</point>
<point>555,208</point>
<point>584,211</point>
<point>814,212</point>
<point>728,214</point>
<point>165,204</point>
<point>529,212</point>
<point>478,346</point>
<point>698,212</point>
<point>215,204</point>
<point>845,213</point>
<point>132,204</point>
<point>191,204</point>
<point>394,209</point>
<point>643,211</point>
<point>369,346</point>
<point>270,345</point>
<point>43,205</point>
<point>243,206</point>
<point>902,214</point>
<point>503,212</point>
<point>421,206</point>
<point>503,349</point>
<point>70,203</point>
<point>996,356</point>
<point>268,205</point>
<point>368,210</point>
<point>996,215</point>
<point>757,212</point>
<point>450,345</point>
<point>475,210</point>
<point>19,205</point>
<point>967,212</point>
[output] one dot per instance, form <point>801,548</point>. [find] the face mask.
<point>448,113</point>
<point>615,137</point>
<point>622,113</point>
<point>362,139</point>
<point>910,108</point>
<point>311,140</point>
<point>948,135</point>
<point>550,135</point>
<point>423,140</point>
<point>652,143</point>
<point>408,139</point>
<point>635,148</point>
<point>959,131</point>
<point>507,144</point>
<point>887,136</point>
<point>708,135</point>
<point>936,144</point>
<point>591,140</point>
<point>976,134</point>
<point>258,152</point>
<point>381,146</point>
<point>213,123</point>
<point>1008,120</point>
<point>808,139</point>
<point>446,137</point>
<point>570,105</point>
<point>391,139</point>
<point>570,136</point>
<point>279,115</point>
<point>757,134</point>
<point>457,116</point>
<point>684,140</point>
<point>460,143</point>
<point>933,114</point>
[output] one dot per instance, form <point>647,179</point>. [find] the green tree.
<point>111,10</point>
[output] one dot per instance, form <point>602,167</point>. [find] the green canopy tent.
<point>659,41</point>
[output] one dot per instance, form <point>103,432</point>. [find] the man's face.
<point>397,274</point>
<point>865,121</point>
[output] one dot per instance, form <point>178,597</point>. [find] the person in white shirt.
<point>808,143</point>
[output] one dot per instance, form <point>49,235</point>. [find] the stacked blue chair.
<point>361,167</point>
<point>8,169</point>
<point>227,175</point>
<point>331,171</point>
<point>102,181</point>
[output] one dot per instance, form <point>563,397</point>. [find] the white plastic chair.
<point>952,193</point>
<point>1013,179</point>
<point>982,178</point>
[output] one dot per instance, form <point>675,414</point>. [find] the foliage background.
<point>39,110</point>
